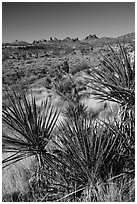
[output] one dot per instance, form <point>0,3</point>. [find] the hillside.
<point>33,64</point>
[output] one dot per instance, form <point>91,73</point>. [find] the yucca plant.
<point>84,152</point>
<point>87,150</point>
<point>31,129</point>
<point>83,149</point>
<point>115,79</point>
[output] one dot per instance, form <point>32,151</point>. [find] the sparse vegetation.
<point>73,154</point>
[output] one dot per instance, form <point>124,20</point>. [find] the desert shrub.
<point>56,52</point>
<point>82,66</point>
<point>65,67</point>
<point>5,54</point>
<point>71,90</point>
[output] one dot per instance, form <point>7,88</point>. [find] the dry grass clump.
<point>15,179</point>
<point>120,190</point>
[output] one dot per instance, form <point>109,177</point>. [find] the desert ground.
<point>38,68</point>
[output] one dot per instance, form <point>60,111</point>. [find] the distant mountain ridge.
<point>127,35</point>
<point>89,39</point>
<point>17,42</point>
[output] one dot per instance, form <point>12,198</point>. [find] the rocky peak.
<point>67,39</point>
<point>91,37</point>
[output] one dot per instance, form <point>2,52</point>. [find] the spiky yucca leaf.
<point>31,131</point>
<point>87,148</point>
<point>114,81</point>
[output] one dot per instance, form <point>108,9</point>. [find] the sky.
<point>30,21</point>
